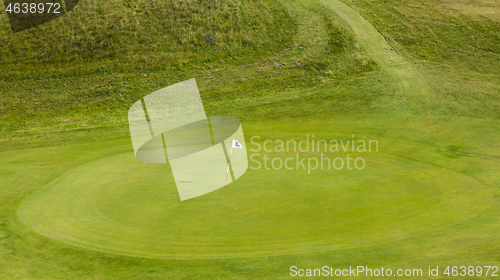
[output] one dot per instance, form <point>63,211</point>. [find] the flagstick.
<point>228,165</point>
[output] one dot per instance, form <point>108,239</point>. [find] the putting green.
<point>118,204</point>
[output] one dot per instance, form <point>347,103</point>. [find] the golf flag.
<point>236,144</point>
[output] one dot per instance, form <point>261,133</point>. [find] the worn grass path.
<point>411,83</point>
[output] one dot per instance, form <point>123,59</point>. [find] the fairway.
<point>420,79</point>
<point>118,204</point>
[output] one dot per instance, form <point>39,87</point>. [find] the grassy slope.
<point>407,77</point>
<point>103,86</point>
<point>458,129</point>
<point>455,42</point>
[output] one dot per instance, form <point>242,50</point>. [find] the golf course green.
<point>77,204</point>
<point>118,204</point>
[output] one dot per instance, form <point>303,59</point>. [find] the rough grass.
<point>80,116</point>
<point>175,31</point>
<point>297,48</point>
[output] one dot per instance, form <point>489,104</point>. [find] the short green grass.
<point>429,197</point>
<point>118,204</point>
